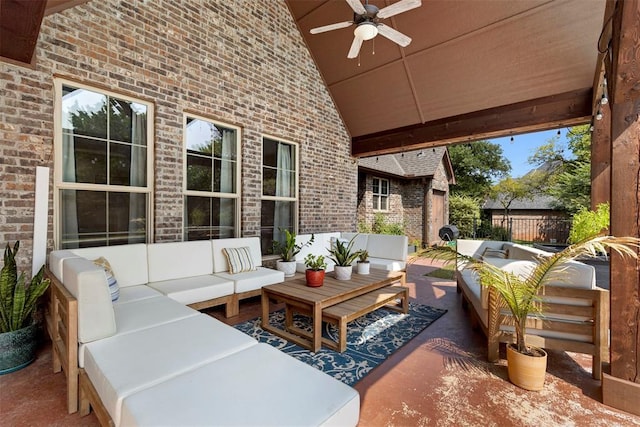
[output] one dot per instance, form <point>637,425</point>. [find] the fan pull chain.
<point>358,59</point>
<point>373,46</point>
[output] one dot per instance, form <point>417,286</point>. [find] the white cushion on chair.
<point>253,280</point>
<point>176,260</point>
<point>266,386</point>
<point>190,290</point>
<point>128,262</point>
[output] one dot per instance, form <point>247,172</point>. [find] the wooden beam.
<point>562,110</point>
<point>601,159</point>
<point>622,389</point>
<point>20,22</point>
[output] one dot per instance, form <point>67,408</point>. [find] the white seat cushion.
<point>266,386</point>
<point>135,293</point>
<point>388,246</point>
<point>168,261</point>
<point>190,290</point>
<point>252,280</point>
<point>387,264</point>
<point>124,364</point>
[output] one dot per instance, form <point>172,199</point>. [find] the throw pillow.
<point>495,253</point>
<point>114,288</point>
<point>239,259</point>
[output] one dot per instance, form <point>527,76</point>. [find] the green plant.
<point>315,262</point>
<point>363,256</point>
<point>289,248</point>
<point>342,254</point>
<point>17,300</point>
<point>519,293</point>
<point>381,226</point>
<point>587,223</point>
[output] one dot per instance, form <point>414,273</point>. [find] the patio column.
<point>621,389</point>
<point>601,159</point>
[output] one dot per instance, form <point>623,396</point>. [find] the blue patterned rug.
<point>370,339</point>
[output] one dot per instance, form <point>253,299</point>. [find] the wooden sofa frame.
<point>597,325</point>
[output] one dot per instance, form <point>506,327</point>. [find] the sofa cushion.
<point>168,261</point>
<point>135,293</point>
<point>238,259</point>
<point>518,251</point>
<point>253,280</point>
<point>128,262</point>
<point>495,253</point>
<point>56,258</point>
<point>87,282</point>
<point>124,364</point>
<point>220,261</point>
<point>114,289</point>
<point>387,246</point>
<point>359,240</point>
<point>190,290</point>
<point>320,246</point>
<point>474,248</point>
<point>254,376</point>
<point>387,264</point>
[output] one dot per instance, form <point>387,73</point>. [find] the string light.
<point>599,114</point>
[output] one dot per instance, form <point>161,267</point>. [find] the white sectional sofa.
<point>147,359</point>
<point>386,251</point>
<point>576,313</point>
<point>193,273</point>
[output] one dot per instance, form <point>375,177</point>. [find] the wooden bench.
<point>343,313</point>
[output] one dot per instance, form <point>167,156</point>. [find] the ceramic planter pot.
<point>287,267</point>
<point>18,348</point>
<point>343,272</point>
<point>362,267</point>
<point>315,278</point>
<point>526,371</point>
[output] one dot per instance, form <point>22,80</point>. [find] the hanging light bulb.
<point>599,114</point>
<point>512,139</point>
<point>604,100</point>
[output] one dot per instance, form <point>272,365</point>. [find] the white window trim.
<point>294,199</point>
<point>213,194</point>
<point>59,184</point>
<point>379,194</point>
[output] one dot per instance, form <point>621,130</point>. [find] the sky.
<point>523,146</point>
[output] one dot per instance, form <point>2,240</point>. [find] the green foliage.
<point>381,226</point>
<point>315,262</point>
<point>587,223</point>
<point>519,293</point>
<point>363,256</point>
<point>499,233</point>
<point>289,249</point>
<point>342,253</point>
<point>510,189</point>
<point>17,301</point>
<point>475,166</point>
<point>463,210</point>
<point>363,227</point>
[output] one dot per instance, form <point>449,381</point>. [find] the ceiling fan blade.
<point>330,27</point>
<point>399,7</point>
<point>355,48</point>
<point>357,7</point>
<point>394,35</point>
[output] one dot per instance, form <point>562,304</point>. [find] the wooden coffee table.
<point>297,296</point>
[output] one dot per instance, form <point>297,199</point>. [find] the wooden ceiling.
<point>475,68</point>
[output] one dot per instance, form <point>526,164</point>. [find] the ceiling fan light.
<point>366,30</point>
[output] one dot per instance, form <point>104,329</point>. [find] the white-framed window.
<point>211,179</point>
<point>103,183</point>
<point>380,193</point>
<point>279,209</point>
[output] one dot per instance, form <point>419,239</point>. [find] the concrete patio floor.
<point>440,378</point>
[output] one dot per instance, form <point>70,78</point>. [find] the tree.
<point>570,183</point>
<point>464,212</point>
<point>508,190</point>
<point>475,167</point>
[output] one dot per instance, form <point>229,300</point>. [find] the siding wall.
<point>235,61</point>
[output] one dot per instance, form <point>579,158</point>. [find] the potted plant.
<point>343,257</point>
<point>18,330</point>
<point>520,295</point>
<point>315,270</point>
<point>288,249</point>
<point>362,266</point>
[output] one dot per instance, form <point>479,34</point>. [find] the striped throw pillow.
<point>239,259</point>
<point>114,288</point>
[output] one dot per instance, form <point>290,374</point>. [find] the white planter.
<point>343,272</point>
<point>287,267</point>
<point>362,268</point>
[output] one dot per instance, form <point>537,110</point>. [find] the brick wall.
<point>235,61</point>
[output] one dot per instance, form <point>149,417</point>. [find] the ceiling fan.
<point>367,19</point>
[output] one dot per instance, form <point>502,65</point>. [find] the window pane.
<point>127,218</point>
<point>224,175</point>
<point>385,187</point>
<point>84,112</point>
<point>85,160</point>
<point>383,203</point>
<point>285,184</point>
<point>209,218</point>
<point>269,181</point>
<point>269,152</point>
<point>275,215</point>
<point>376,186</point>
<point>207,138</point>
<point>376,202</point>
<point>199,173</point>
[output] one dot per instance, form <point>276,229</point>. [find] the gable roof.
<point>410,165</point>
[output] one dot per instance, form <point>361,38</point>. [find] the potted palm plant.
<point>520,295</point>
<point>288,249</point>
<point>343,256</point>
<point>362,266</point>
<point>18,330</point>
<point>315,270</point>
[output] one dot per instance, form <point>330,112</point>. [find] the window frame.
<point>212,194</point>
<point>58,181</point>
<point>296,198</point>
<point>379,195</point>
